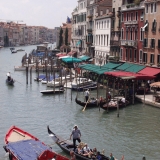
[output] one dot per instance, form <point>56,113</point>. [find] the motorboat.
<point>49,79</point>
<point>82,83</point>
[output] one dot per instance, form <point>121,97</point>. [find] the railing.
<point>114,43</point>
<point>132,6</point>
<point>130,43</point>
<point>89,30</point>
<point>131,22</point>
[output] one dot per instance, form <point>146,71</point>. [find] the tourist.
<point>87,95</point>
<point>73,157</point>
<point>76,136</point>
<point>111,157</point>
<point>99,157</point>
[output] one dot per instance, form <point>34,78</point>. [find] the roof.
<point>71,60</point>
<point>84,58</point>
<point>150,71</point>
<point>132,75</point>
<point>26,149</point>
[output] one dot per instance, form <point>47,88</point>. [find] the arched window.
<point>122,33</point>
<point>131,34</point>
<point>141,34</point>
<point>126,33</point>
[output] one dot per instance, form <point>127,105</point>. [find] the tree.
<point>66,37</point>
<point>60,37</point>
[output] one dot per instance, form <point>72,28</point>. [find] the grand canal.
<point>134,134</point>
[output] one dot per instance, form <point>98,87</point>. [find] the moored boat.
<point>67,146</point>
<point>10,82</point>
<point>51,91</point>
<point>22,145</point>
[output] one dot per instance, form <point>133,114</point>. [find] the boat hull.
<point>52,91</point>
<point>11,82</point>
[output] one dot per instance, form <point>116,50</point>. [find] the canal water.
<point>134,134</point>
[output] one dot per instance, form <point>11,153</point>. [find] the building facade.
<point>151,45</point>
<point>132,23</point>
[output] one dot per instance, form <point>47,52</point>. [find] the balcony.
<point>89,30</point>
<point>114,43</point>
<point>132,6</point>
<point>131,22</point>
<point>129,43</point>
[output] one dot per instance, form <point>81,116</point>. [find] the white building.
<point>102,39</point>
<point>78,41</point>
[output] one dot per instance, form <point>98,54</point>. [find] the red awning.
<point>150,71</point>
<point>61,54</point>
<point>72,53</point>
<point>130,74</point>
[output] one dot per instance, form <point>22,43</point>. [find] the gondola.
<point>92,103</point>
<point>113,106</point>
<point>51,91</point>
<point>10,82</point>
<point>67,146</point>
<point>20,144</point>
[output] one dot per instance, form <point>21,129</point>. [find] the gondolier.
<point>76,133</point>
<point>9,76</point>
<point>87,94</point>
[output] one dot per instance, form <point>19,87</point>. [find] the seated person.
<point>99,157</point>
<point>93,100</point>
<point>79,149</point>
<point>87,151</point>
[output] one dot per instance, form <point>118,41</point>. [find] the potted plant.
<point>137,2</point>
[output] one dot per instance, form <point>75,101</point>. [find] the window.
<point>107,23</point>
<point>135,55</point>
<point>146,28</point>
<point>130,55</point>
<point>104,40</point>
<point>131,38</point>
<point>142,16</point>
<point>131,16</point>
<point>146,8</point>
<point>136,34</point>
<point>154,24</point>
<point>158,43</point>
<point>140,56</point>
<point>97,25</point>
<point>145,42</point>
<point>121,54</point>
<point>122,17</point>
<point>126,34</point>
<point>102,24</point>
<point>122,33</point>
<point>127,17</point>
<point>152,8</point>
<point>158,58</point>
<point>152,43</point>
<point>155,7</point>
<point>112,23</point>
<point>141,34</point>
<point>136,16</point>
<point>144,57</point>
<point>107,39</point>
<point>126,54</point>
<point>152,58</point>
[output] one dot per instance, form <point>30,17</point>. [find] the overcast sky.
<point>48,13</point>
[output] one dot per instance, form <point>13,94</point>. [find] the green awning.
<point>135,68</point>
<point>71,60</point>
<point>124,66</point>
<point>84,58</point>
<point>112,65</point>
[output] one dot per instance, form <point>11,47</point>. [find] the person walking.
<point>87,94</point>
<point>76,133</point>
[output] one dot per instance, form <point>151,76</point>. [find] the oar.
<point>18,82</point>
<point>59,142</point>
<point>85,105</point>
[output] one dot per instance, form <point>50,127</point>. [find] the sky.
<point>48,13</point>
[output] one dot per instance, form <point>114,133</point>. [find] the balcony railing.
<point>130,43</point>
<point>89,30</point>
<point>114,43</point>
<point>132,6</point>
<point>131,22</point>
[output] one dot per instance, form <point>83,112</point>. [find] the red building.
<point>132,23</point>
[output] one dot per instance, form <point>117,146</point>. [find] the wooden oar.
<point>85,105</point>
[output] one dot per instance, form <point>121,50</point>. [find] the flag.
<point>68,20</point>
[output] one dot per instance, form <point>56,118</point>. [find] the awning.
<point>64,57</point>
<point>71,53</point>
<point>61,54</point>
<point>121,74</point>
<point>124,66</point>
<point>150,71</point>
<point>71,60</point>
<point>84,58</point>
<point>112,65</point>
<point>135,68</point>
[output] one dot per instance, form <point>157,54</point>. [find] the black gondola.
<point>67,146</point>
<point>92,103</point>
<point>52,91</point>
<point>10,82</point>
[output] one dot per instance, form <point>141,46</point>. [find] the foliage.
<point>137,2</point>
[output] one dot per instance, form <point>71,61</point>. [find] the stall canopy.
<point>135,68</point>
<point>84,58</point>
<point>150,71</point>
<point>95,69</point>
<point>112,65</point>
<point>124,66</point>
<point>71,60</point>
<point>130,74</point>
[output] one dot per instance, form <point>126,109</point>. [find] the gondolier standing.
<point>87,94</point>
<point>9,76</point>
<point>76,133</point>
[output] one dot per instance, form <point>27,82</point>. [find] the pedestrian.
<point>111,157</point>
<point>87,94</point>
<point>73,157</point>
<point>76,133</point>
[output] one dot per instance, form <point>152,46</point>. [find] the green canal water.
<point>135,133</point>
